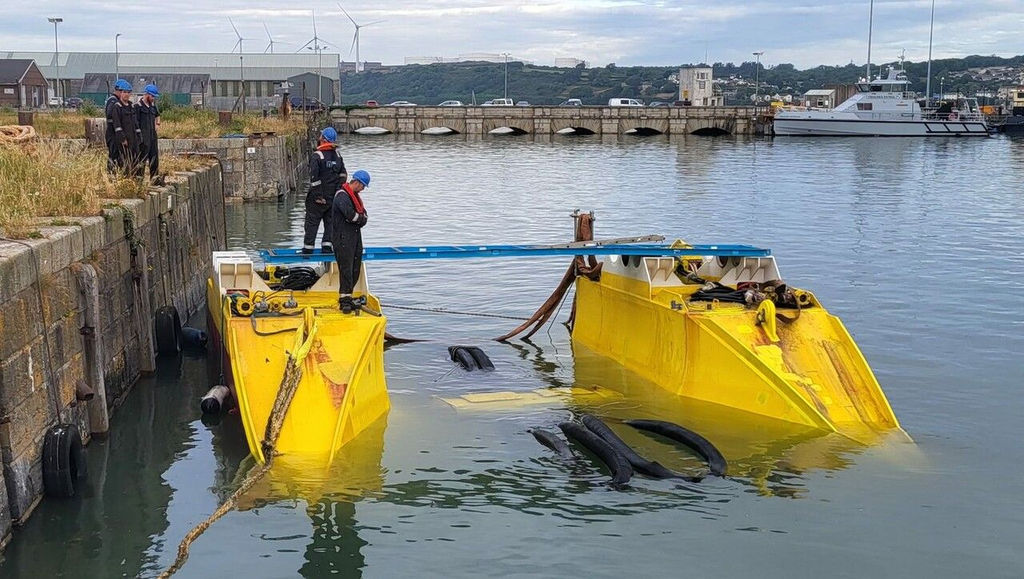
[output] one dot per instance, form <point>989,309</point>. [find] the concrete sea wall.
<point>77,313</point>
<point>255,168</point>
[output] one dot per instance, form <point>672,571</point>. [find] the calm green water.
<point>915,244</point>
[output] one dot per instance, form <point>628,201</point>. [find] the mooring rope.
<point>17,133</point>
<point>283,401</point>
<point>453,312</point>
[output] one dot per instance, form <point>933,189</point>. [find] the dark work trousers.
<point>348,251</point>
<point>315,213</point>
<point>150,155</point>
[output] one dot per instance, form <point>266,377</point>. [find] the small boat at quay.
<point>884,107</point>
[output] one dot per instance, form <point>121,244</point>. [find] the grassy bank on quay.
<point>175,123</point>
<point>53,179</point>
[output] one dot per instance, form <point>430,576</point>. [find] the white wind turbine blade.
<point>349,17</point>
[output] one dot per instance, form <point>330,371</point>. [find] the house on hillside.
<point>22,85</point>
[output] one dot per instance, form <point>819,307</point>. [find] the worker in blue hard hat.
<point>124,135</point>
<point>120,86</point>
<point>348,217</point>
<point>326,174</point>
<point>149,122</point>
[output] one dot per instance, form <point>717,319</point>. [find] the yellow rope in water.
<point>285,394</point>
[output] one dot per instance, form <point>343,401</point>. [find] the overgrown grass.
<point>175,123</point>
<point>55,179</point>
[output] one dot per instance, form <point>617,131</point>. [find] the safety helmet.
<point>362,176</point>
<point>151,90</point>
<point>122,84</point>
<point>329,134</point>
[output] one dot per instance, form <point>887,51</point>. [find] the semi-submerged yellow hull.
<point>807,371</point>
<point>341,389</point>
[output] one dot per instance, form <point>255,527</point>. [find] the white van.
<point>499,103</point>
<point>624,103</point>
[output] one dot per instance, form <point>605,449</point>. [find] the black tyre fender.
<point>482,360</point>
<point>168,330</point>
<point>64,467</point>
<point>462,357</point>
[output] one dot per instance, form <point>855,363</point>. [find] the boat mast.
<point>871,17</point>
<point>928,81</point>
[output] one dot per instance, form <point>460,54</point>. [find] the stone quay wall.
<point>255,168</point>
<point>77,312</point>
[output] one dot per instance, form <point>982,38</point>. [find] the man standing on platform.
<point>149,120</point>
<point>348,216</point>
<point>113,136</point>
<point>326,176</point>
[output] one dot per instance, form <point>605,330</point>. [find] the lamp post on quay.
<point>56,56</point>
<point>757,77</point>
<point>117,54</point>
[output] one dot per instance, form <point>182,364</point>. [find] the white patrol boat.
<point>884,108</point>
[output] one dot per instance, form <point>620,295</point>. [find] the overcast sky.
<point>626,32</point>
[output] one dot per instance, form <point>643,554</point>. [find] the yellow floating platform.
<point>342,389</point>
<point>807,370</point>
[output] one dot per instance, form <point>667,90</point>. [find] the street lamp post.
<point>56,55</point>
<point>241,86</point>
<point>505,54</point>
<point>942,86</point>
<point>117,54</point>
<point>757,77</point>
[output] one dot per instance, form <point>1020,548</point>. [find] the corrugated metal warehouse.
<point>262,74</point>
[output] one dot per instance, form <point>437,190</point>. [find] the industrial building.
<point>260,75</point>
<point>697,87</point>
<point>22,85</point>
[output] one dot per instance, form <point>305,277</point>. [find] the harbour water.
<point>914,243</point>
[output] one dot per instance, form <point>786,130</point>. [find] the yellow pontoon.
<point>341,389</point>
<point>798,365</point>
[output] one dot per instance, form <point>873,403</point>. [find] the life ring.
<point>64,467</point>
<point>954,116</point>
<point>168,330</point>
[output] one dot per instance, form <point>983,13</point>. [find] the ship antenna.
<point>928,77</point>
<point>871,17</point>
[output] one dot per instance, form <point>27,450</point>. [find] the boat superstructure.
<point>727,330</point>
<point>884,107</point>
<point>260,324</point>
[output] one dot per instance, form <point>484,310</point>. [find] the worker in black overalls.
<point>127,134</point>
<point>112,136</point>
<point>348,216</point>
<point>326,176</point>
<point>149,120</point>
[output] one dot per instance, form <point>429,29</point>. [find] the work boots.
<point>346,304</point>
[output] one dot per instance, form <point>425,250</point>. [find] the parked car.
<point>53,102</point>
<point>499,103</point>
<point>73,102</point>
<point>402,104</point>
<point>307,104</point>
<point>371,103</point>
<point>451,104</point>
<point>571,103</point>
<point>658,104</point>
<point>523,104</point>
<point>622,102</point>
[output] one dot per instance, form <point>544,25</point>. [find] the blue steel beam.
<point>284,256</point>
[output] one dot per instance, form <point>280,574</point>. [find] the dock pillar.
<point>88,287</point>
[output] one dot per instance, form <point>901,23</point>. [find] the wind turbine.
<point>270,46</point>
<point>318,46</point>
<point>355,37</point>
<point>238,44</point>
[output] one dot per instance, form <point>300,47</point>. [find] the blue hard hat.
<point>329,134</point>
<point>362,176</point>
<point>122,84</point>
<point>151,90</point>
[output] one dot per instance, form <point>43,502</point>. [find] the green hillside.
<point>433,83</point>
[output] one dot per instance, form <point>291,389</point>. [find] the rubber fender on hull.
<point>168,330</point>
<point>470,358</point>
<point>213,401</point>
<point>699,444</point>
<point>551,440</point>
<point>616,463</point>
<point>194,338</point>
<point>640,464</point>
<point>64,468</point>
